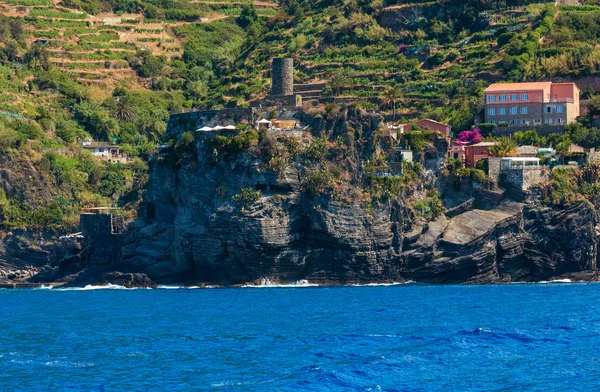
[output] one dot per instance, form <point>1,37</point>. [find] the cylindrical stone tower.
<point>282,76</point>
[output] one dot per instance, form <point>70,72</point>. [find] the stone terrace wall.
<point>525,177</point>
<point>542,130</point>
<point>189,122</point>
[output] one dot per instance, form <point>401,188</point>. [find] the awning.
<point>218,128</point>
<point>204,129</point>
<point>230,127</point>
<point>264,121</point>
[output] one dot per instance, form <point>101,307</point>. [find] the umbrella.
<point>264,121</point>
<point>204,129</point>
<point>218,128</point>
<point>230,127</point>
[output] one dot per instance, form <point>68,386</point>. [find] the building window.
<point>524,110</point>
<point>491,98</point>
<point>100,150</point>
<point>502,110</point>
<point>550,121</point>
<point>514,122</point>
<point>560,109</point>
<point>502,97</point>
<point>493,122</point>
<point>524,97</point>
<point>560,120</point>
<point>548,109</point>
<point>492,111</point>
<point>514,110</point>
<point>537,121</point>
<point>523,122</point>
<point>514,97</point>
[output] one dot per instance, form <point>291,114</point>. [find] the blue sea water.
<point>542,337</point>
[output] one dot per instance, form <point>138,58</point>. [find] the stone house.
<point>520,172</point>
<point>105,151</point>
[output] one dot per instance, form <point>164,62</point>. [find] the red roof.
<point>433,121</point>
<point>518,86</point>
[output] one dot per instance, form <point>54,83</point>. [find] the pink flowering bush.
<point>469,137</point>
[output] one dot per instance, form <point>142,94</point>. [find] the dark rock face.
<point>191,233</point>
<point>509,244</point>
<point>128,280</point>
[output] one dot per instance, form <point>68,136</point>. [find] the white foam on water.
<point>109,286</point>
<point>382,284</point>
<point>557,281</point>
<point>166,287</point>
<point>44,287</point>
<point>267,283</point>
<point>201,287</point>
<point>69,364</point>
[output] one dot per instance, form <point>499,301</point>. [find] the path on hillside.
<point>255,3</point>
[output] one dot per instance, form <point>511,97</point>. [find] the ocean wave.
<point>382,284</point>
<point>556,281</point>
<point>69,364</point>
<point>109,286</point>
<point>269,284</point>
<point>44,287</point>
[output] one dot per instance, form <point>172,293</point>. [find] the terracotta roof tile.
<point>518,86</point>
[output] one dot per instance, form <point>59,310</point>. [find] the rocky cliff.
<point>192,231</point>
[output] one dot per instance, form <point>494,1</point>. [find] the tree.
<point>389,98</point>
<point>125,112</point>
<point>594,105</point>
<point>337,82</point>
<point>248,16</point>
<point>529,138</point>
<point>37,57</point>
<point>562,149</point>
<point>505,147</point>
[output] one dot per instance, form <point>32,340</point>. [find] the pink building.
<point>433,125</point>
<point>534,103</point>
<point>427,123</point>
<point>476,152</point>
<point>457,151</point>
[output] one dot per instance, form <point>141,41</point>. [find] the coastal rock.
<point>191,230</point>
<point>129,280</point>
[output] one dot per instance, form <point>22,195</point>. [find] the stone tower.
<point>282,76</point>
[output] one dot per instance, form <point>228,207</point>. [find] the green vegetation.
<point>247,196</point>
<point>429,208</point>
<point>109,83</point>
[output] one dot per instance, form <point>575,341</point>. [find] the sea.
<point>410,337</point>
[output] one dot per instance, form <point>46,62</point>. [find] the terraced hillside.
<point>115,70</point>
<point>440,55</point>
<point>98,48</point>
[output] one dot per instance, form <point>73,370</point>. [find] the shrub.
<point>317,181</point>
<point>468,172</point>
<point>430,208</point>
<point>247,196</point>
<point>317,149</point>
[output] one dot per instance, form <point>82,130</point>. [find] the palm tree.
<point>125,112</point>
<point>562,149</point>
<point>337,82</point>
<point>505,147</point>
<point>390,96</point>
